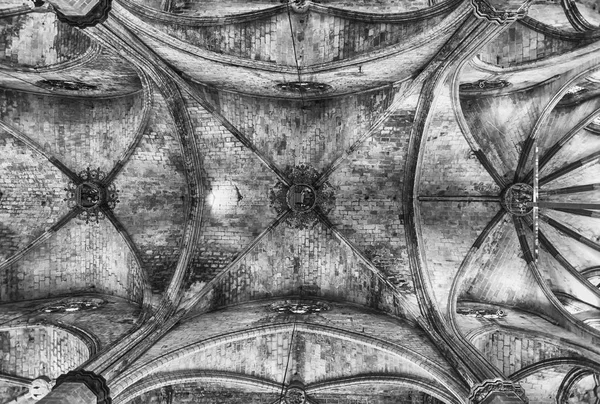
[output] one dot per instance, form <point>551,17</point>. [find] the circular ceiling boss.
<point>303,197</point>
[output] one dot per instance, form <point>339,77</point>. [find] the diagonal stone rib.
<point>134,251</point>
<point>569,168</point>
<point>148,101</point>
<point>407,306</point>
<point>43,237</point>
<point>572,190</point>
<point>38,149</point>
<point>208,287</point>
<point>570,232</point>
<point>551,152</point>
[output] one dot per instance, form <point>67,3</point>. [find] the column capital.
<point>497,391</point>
<point>500,11</point>
<point>95,383</point>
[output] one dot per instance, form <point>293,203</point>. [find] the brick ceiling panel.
<point>32,193</point>
<point>39,40</point>
<point>449,165</point>
<point>152,193</point>
<point>304,132</point>
<point>314,358</point>
<point>338,315</point>
<point>81,133</point>
<point>236,204</point>
<point>511,352</point>
<point>500,275</point>
<point>257,77</point>
<point>308,262</point>
<point>449,230</point>
<point>521,44</point>
<point>319,38</point>
<point>85,257</point>
<point>501,124</point>
<point>42,351</point>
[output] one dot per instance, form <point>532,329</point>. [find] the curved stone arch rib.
<point>90,54</point>
<point>422,385</point>
<point>156,381</point>
<point>89,340</point>
<point>548,363</point>
<point>572,377</point>
<point>545,113</point>
<point>447,26</point>
<point>559,63</point>
<point>577,20</point>
<point>481,332</point>
<point>549,30</point>
<point>393,349</point>
<point>148,99</point>
<point>42,237</point>
<point>196,21</point>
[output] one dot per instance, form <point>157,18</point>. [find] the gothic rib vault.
<point>377,201</point>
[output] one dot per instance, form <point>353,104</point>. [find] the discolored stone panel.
<point>40,351</point>
<point>39,40</point>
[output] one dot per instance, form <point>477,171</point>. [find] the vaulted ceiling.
<point>205,201</point>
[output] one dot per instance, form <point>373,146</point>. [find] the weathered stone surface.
<point>40,351</point>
